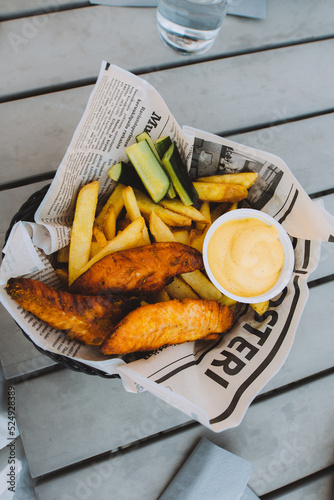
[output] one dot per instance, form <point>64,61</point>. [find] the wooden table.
<point>266,83</point>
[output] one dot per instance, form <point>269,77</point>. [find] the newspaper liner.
<point>213,382</point>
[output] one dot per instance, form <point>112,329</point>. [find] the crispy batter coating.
<point>165,323</point>
<point>138,271</point>
<point>86,318</point>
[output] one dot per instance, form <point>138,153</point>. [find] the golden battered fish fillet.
<point>88,319</point>
<point>138,271</point>
<point>165,323</point>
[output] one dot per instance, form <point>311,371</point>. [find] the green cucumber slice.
<point>149,169</point>
<point>178,174</point>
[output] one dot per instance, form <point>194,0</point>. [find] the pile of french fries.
<point>130,218</point>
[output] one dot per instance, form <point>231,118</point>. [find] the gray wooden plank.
<point>82,394</point>
<point>11,201</point>
<point>36,132</point>
<point>318,488</point>
<point>305,146</point>
<point>18,356</point>
<point>34,46</point>
<point>308,355</point>
<point>294,81</point>
<point>100,415</point>
<point>286,437</point>
<point>326,259</point>
<point>22,8</point>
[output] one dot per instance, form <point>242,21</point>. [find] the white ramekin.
<point>284,238</point>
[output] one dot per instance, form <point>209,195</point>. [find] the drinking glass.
<point>190,26</point>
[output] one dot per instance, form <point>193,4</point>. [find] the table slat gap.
<point>296,485</point>
<point>275,123</point>
<point>167,433</point>
<point>52,89</point>
<point>25,181</point>
<point>321,281</point>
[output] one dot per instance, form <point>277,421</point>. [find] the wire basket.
<point>26,213</point>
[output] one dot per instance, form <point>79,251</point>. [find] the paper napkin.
<point>211,472</point>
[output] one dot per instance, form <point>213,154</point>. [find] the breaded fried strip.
<point>86,318</point>
<point>138,271</point>
<point>165,323</point>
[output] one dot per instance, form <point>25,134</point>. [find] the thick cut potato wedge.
<point>179,289</point>
<point>260,307</point>
<point>109,223</point>
<point>187,210</point>
<point>206,212</point>
<point>211,191</point>
<point>63,254</point>
<point>202,285</point>
<point>82,229</point>
<point>246,179</point>
<point>182,236</point>
<point>133,211</point>
<point>99,236</point>
<point>147,206</point>
<point>159,230</point>
<point>115,199</point>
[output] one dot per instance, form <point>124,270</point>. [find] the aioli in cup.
<point>248,255</point>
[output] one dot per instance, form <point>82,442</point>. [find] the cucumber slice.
<point>149,169</point>
<point>125,173</point>
<point>178,174</point>
<point>145,137</point>
<point>163,144</point>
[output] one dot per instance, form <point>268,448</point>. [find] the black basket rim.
<point>27,213</point>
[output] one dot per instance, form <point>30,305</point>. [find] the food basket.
<point>26,213</point>
<point>196,378</point>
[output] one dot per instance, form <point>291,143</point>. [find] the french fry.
<point>179,289</point>
<point>182,236</point>
<point>159,230</point>
<point>161,296</point>
<point>198,241</point>
<point>130,203</point>
<point>226,301</point>
<point>94,249</point>
<point>129,238</point>
<point>194,234</point>
<point>133,211</point>
<point>219,210</point>
<point>205,289</point>
<point>109,223</point>
<point>63,254</point>
<point>211,191</point>
<point>82,229</point>
<point>187,210</point>
<point>115,199</point>
<point>62,275</point>
<point>202,285</point>
<point>233,206</point>
<point>260,307</point>
<point>99,236</point>
<point>147,206</point>
<point>205,211</point>
<point>246,179</point>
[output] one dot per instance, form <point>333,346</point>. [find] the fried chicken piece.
<point>165,323</point>
<point>138,271</point>
<point>88,319</point>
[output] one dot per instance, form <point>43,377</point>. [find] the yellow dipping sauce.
<point>245,256</point>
